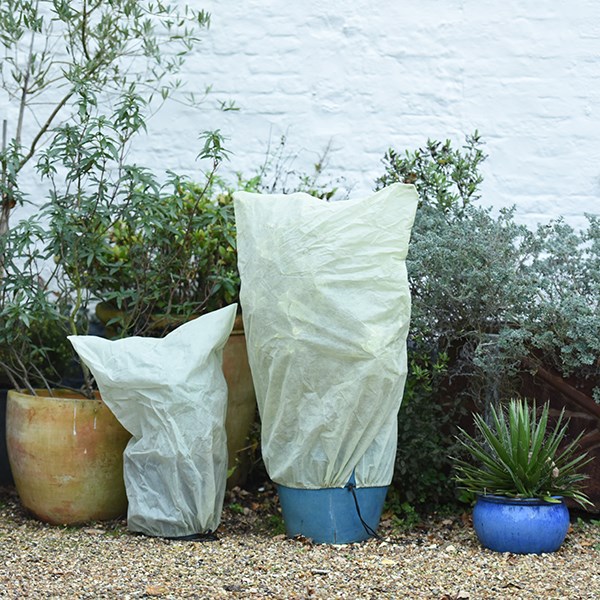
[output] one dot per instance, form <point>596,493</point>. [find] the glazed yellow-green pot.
<point>66,456</point>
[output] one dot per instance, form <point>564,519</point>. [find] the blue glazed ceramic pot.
<point>330,515</point>
<point>521,526</point>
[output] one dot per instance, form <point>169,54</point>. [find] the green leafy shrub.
<point>425,435</point>
<point>491,296</point>
<point>561,319</point>
<point>93,191</point>
<point>445,178</point>
<point>172,258</point>
<point>117,235</point>
<point>86,75</point>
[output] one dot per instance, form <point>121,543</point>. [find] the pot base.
<point>330,515</point>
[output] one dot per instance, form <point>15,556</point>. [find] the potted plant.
<point>65,447</point>
<point>521,477</point>
<point>55,55</point>
<point>65,450</point>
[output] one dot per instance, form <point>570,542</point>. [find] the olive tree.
<point>55,51</point>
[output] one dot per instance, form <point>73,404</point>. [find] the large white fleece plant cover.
<point>171,395</point>
<point>326,308</point>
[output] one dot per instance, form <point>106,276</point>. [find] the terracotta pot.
<point>241,403</point>
<point>66,457</point>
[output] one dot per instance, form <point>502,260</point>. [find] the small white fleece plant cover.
<point>326,308</point>
<point>171,395</point>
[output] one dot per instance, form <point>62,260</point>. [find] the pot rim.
<point>499,499</point>
<point>60,394</point>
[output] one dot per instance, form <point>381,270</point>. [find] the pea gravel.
<point>440,559</point>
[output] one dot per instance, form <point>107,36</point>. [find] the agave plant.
<point>520,457</point>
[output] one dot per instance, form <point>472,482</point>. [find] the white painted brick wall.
<point>367,75</point>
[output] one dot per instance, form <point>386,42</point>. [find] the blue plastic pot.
<point>521,526</point>
<point>330,515</point>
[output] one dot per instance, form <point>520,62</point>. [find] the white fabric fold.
<point>326,309</point>
<point>171,395</point>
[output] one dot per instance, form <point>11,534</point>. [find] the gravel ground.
<point>440,559</point>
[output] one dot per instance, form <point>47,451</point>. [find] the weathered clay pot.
<point>241,403</point>
<point>66,457</point>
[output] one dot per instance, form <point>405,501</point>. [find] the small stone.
<point>156,590</point>
<point>94,531</point>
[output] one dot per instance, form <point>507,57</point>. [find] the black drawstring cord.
<point>208,536</point>
<point>352,488</point>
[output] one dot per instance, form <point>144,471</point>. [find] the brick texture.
<point>365,75</point>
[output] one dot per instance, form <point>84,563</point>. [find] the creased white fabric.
<point>326,309</point>
<point>171,395</point>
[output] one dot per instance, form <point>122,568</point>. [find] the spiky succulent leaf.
<point>518,457</point>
